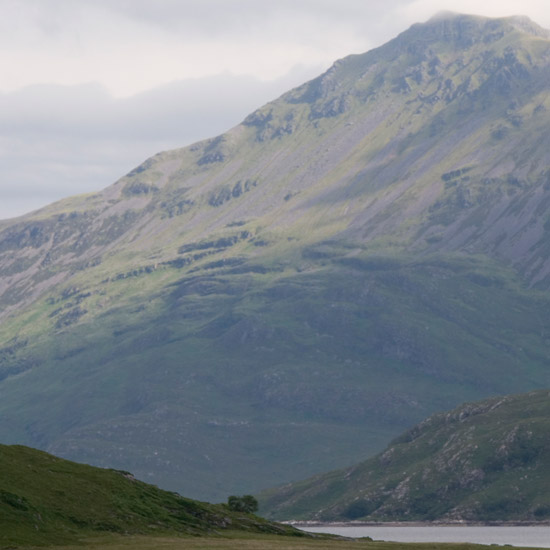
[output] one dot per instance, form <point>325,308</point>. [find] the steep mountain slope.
<point>485,461</point>
<point>45,500</point>
<point>282,299</point>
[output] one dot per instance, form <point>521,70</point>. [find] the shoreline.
<point>416,523</point>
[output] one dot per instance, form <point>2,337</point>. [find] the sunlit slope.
<point>284,298</point>
<point>437,139</point>
<point>484,461</point>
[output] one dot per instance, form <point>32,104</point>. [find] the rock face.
<point>284,298</point>
<point>485,461</point>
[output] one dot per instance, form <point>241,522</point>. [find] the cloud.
<point>131,46</point>
<point>57,141</point>
<point>535,9</point>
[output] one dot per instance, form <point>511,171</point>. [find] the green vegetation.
<point>238,541</point>
<point>255,542</point>
<point>485,461</point>
<point>45,500</point>
<point>285,298</point>
<point>246,503</point>
<point>212,391</point>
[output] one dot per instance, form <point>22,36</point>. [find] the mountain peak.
<point>525,24</point>
<point>443,14</point>
<point>481,24</point>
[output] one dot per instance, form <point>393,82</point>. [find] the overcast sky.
<point>90,88</point>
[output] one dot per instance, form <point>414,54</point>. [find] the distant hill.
<point>285,298</point>
<point>46,500</point>
<point>485,461</point>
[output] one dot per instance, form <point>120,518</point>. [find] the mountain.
<point>285,298</point>
<point>45,500</point>
<point>484,461</point>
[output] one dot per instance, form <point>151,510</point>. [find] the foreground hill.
<point>286,297</point>
<point>485,461</point>
<point>47,500</point>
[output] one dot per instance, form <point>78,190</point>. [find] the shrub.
<point>246,503</point>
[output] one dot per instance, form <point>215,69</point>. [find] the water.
<point>527,536</point>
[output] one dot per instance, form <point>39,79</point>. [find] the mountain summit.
<point>283,298</point>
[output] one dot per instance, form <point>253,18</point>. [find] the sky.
<point>91,88</point>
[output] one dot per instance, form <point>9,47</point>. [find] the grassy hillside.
<point>265,542</point>
<point>484,461</point>
<point>285,298</point>
<point>285,379</point>
<point>45,500</point>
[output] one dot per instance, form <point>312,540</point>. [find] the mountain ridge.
<point>481,462</point>
<point>355,255</point>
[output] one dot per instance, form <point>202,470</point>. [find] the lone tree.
<point>246,503</point>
